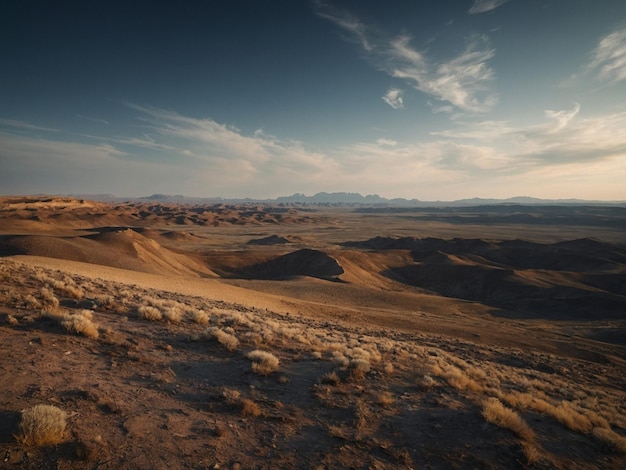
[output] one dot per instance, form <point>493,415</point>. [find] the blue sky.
<point>435,100</point>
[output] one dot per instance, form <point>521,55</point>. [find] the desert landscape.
<point>154,335</point>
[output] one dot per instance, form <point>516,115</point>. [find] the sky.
<point>430,99</point>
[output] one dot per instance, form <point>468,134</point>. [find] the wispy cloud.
<point>93,119</point>
<point>562,117</point>
<point>483,6</point>
<point>175,153</point>
<point>356,28</point>
<point>609,58</point>
<point>24,125</point>
<point>563,139</point>
<point>393,98</point>
<point>461,80</point>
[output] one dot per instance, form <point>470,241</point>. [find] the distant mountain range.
<point>345,199</point>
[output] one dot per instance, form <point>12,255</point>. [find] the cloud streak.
<point>609,58</point>
<point>462,81</point>
<point>483,6</point>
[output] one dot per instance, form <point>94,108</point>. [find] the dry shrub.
<point>70,291</point>
<point>426,382</point>
<point>331,378</point>
<point>48,299</point>
<point>42,425</point>
<point>250,408</point>
<point>149,313</point>
<point>31,302</point>
<point>232,396</point>
<point>571,418</point>
<point>459,380</point>
<point>81,324</point>
<point>496,413</point>
<point>263,362</point>
<point>105,301</point>
<point>385,399</point>
<point>228,340</point>
<point>172,314</point>
<point>358,368</point>
<point>198,316</point>
<point>616,441</point>
<point>339,359</point>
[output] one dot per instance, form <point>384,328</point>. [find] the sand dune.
<point>123,249</point>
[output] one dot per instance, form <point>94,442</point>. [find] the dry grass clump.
<point>614,440</point>
<point>81,323</point>
<point>385,399</point>
<point>148,312</point>
<point>496,413</point>
<point>42,425</point>
<point>68,288</point>
<point>426,382</point>
<point>104,300</point>
<point>339,359</point>
<point>228,340</point>
<point>359,368</point>
<point>263,362</point>
<point>571,418</point>
<point>247,406</point>
<point>172,314</point>
<point>31,302</point>
<point>250,408</point>
<point>197,316</point>
<point>459,380</point>
<point>48,299</point>
<point>331,378</point>
<point>232,396</point>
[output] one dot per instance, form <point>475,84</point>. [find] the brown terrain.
<point>313,337</point>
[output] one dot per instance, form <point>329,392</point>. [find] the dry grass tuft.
<point>610,437</point>
<point>496,413</point>
<point>149,313</point>
<point>250,408</point>
<point>42,425</point>
<point>81,323</point>
<point>232,396</point>
<point>263,362</point>
<point>228,340</point>
<point>385,399</point>
<point>531,452</point>
<point>331,378</point>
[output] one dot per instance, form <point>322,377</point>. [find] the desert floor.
<point>311,337</point>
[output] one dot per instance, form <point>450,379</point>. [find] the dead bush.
<point>263,362</point>
<point>42,425</point>
<point>496,413</point>
<point>80,323</point>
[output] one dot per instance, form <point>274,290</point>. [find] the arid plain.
<point>312,337</point>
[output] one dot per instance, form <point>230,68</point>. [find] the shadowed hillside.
<point>579,279</point>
